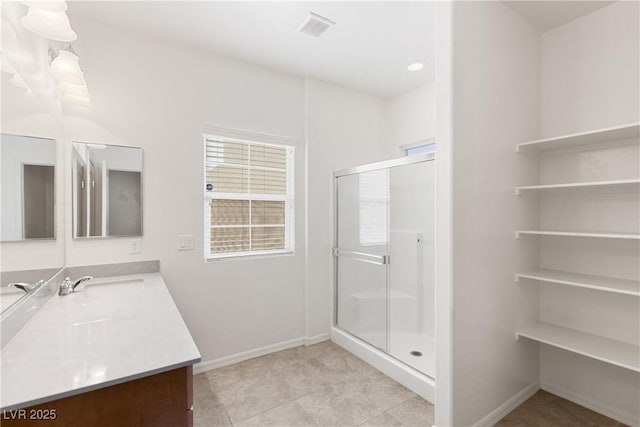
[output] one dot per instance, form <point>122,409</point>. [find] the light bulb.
<point>66,68</point>
<point>51,25</point>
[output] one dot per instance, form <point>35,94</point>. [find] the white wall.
<point>443,289</point>
<point>590,79</point>
<point>589,71</point>
<point>496,104</point>
<point>410,118</point>
<point>344,129</point>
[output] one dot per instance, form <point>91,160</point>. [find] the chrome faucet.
<point>68,286</point>
<point>27,288</point>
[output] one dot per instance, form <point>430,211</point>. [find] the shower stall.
<point>384,265</point>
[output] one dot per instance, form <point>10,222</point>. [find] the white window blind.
<point>374,207</point>
<point>248,197</point>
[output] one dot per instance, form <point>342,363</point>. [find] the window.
<point>373,189</point>
<point>421,148</point>
<point>248,198</point>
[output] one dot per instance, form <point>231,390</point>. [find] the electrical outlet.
<point>135,246</point>
<point>185,242</point>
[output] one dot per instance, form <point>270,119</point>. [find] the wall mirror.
<point>28,187</point>
<point>106,190</point>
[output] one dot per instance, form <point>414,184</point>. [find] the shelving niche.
<point>607,349</point>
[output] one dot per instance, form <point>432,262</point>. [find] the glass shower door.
<point>411,274</point>
<point>362,255</point>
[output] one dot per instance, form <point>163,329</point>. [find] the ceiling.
<point>547,15</point>
<point>368,49</point>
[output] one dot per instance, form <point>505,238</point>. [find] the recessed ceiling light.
<point>416,66</point>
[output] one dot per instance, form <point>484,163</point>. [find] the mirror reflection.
<point>28,187</point>
<point>106,190</point>
<point>15,286</point>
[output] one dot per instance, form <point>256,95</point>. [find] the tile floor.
<point>546,410</point>
<point>324,385</point>
<point>319,385</point>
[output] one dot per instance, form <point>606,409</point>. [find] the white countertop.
<point>111,331</point>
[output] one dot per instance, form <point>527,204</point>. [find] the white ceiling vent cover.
<point>315,25</point>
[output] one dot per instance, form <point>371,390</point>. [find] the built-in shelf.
<point>620,184</point>
<point>615,133</point>
<point>599,283</point>
<point>625,236</point>
<point>615,352</point>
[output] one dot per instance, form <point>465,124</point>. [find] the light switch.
<point>185,242</point>
<point>135,246</point>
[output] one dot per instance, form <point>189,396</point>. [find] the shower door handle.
<point>362,256</point>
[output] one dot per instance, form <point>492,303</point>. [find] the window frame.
<point>213,134</point>
<point>426,142</point>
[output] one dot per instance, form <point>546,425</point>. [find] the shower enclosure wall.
<point>384,260</point>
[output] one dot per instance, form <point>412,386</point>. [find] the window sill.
<point>253,255</point>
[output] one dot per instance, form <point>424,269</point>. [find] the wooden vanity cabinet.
<point>164,399</point>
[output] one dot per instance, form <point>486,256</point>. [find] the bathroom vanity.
<point>116,352</point>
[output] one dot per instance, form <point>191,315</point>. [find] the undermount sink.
<point>103,297</point>
<point>112,282</point>
<point>110,288</point>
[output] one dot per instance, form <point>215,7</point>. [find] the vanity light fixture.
<point>49,19</point>
<point>73,90</point>
<point>6,64</point>
<point>66,68</point>
<point>48,5</point>
<point>416,66</point>
<point>18,81</point>
<point>83,101</point>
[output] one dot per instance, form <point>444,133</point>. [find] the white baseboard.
<point>501,411</point>
<point>201,367</point>
<point>316,339</point>
<point>209,365</point>
<point>576,397</point>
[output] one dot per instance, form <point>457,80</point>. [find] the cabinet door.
<point>160,400</point>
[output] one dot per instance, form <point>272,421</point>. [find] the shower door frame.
<point>386,164</point>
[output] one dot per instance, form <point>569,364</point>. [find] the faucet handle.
<point>80,280</point>
<point>22,286</point>
<point>67,286</point>
<point>26,287</point>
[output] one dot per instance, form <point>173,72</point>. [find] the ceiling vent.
<point>315,25</point>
